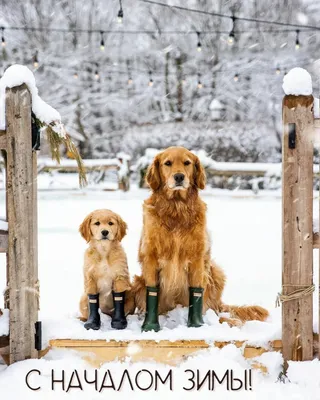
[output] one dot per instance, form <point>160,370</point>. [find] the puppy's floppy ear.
<point>199,174</point>
<point>84,228</point>
<point>153,174</point>
<point>122,228</point>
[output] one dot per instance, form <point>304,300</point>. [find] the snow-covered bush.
<point>222,141</point>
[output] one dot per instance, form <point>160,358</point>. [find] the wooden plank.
<point>3,241</point>
<point>142,343</point>
<point>33,220</point>
<point>46,168</point>
<point>98,352</point>
<point>297,195</point>
<point>22,279</point>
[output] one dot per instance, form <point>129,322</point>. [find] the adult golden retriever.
<point>175,248</point>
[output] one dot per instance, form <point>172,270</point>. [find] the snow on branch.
<point>297,82</point>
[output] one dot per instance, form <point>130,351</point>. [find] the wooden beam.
<point>297,195</point>
<point>23,284</point>
<point>98,352</point>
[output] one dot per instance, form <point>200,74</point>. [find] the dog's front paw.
<point>150,326</point>
<point>93,323</point>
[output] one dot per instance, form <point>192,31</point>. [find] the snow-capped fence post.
<point>297,219</point>
<point>22,257</point>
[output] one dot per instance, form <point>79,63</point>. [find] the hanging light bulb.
<point>199,47</point>
<point>231,34</point>
<point>199,85</point>
<point>96,75</point>
<point>35,60</point>
<point>130,81</point>
<point>278,70</point>
<point>101,41</point>
<point>183,81</point>
<point>3,40</point>
<point>236,78</point>
<point>120,13</point>
<point>150,83</point>
<point>298,45</point>
<point>76,76</point>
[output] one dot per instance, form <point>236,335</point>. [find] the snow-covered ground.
<point>246,242</point>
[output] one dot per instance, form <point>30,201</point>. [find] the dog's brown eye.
<point>110,223</point>
<point>97,223</point>
<point>168,163</point>
<point>187,163</point>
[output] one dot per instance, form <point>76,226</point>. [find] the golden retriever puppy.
<point>175,248</point>
<point>106,275</point>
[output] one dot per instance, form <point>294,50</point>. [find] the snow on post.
<point>45,117</point>
<point>297,82</point>
<point>16,75</point>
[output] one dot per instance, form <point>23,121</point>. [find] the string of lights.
<point>232,17</point>
<point>231,34</point>
<point>199,34</point>
<point>97,75</point>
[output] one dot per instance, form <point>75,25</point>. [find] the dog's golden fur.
<point>105,262</point>
<point>174,248</point>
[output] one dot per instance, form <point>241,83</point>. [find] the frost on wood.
<point>17,75</point>
<point>297,82</point>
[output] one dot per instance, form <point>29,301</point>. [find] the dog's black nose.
<point>179,178</point>
<point>104,233</point>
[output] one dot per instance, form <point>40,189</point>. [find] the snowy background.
<point>109,115</point>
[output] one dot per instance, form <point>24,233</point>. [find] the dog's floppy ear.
<point>199,174</point>
<point>122,228</point>
<point>153,174</point>
<point>84,228</point>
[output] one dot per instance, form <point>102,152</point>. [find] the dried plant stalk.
<point>55,140</point>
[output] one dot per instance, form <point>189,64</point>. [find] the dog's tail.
<point>136,298</point>
<point>246,313</point>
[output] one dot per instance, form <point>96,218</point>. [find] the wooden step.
<point>98,352</point>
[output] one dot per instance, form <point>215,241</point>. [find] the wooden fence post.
<point>297,215</point>
<point>22,220</point>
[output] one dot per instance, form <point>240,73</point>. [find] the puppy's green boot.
<point>151,322</point>
<point>195,307</point>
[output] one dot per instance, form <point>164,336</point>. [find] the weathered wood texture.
<point>297,197</point>
<point>98,352</point>
<point>22,279</point>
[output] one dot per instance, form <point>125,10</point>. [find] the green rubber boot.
<point>195,307</point>
<point>151,322</point>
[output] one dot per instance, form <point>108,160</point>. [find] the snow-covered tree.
<point>90,87</point>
